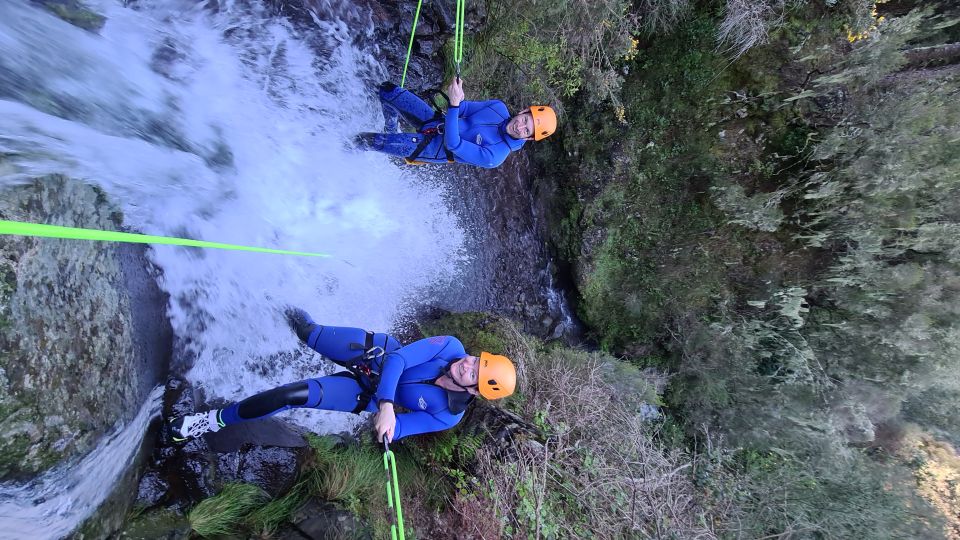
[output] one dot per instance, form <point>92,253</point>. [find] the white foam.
<point>153,109</point>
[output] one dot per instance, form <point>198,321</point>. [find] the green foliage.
<point>936,408</point>
<point>477,331</point>
<point>267,518</point>
<point>813,289</point>
<point>654,255</point>
<point>530,51</point>
<point>223,513</point>
<point>760,211</point>
<point>778,494</point>
<point>143,524</point>
<point>592,474</point>
<point>351,475</point>
<point>453,448</point>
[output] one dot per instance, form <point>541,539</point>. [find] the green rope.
<point>458,34</point>
<point>413,31</point>
<point>56,231</point>
<point>393,492</point>
<point>461,17</point>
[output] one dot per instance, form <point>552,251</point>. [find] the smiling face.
<point>521,126</point>
<point>465,372</point>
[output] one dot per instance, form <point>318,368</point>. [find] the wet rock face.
<point>511,272</point>
<point>266,453</point>
<point>273,469</point>
<point>75,13</point>
<point>324,521</point>
<point>71,364</point>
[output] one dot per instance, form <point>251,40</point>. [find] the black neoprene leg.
<point>265,403</point>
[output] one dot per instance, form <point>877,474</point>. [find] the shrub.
<point>747,23</point>
<point>599,472</point>
<point>531,51</point>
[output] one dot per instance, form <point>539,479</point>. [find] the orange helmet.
<point>544,121</point>
<point>498,377</point>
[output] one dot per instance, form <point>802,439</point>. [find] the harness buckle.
<point>435,130</point>
<point>373,352</point>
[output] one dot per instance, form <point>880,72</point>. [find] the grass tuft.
<point>223,513</point>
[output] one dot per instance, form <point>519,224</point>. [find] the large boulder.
<point>82,332</point>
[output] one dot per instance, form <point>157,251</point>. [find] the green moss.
<point>163,523</point>
<point>76,13</point>
<point>477,331</point>
<point>12,454</point>
<point>8,286</point>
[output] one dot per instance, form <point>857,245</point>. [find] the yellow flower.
<point>621,114</point>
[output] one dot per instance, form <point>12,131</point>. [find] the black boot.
<point>365,141</point>
<point>387,86</point>
<point>301,322</point>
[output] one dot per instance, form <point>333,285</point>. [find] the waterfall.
<point>224,122</point>
<point>51,505</point>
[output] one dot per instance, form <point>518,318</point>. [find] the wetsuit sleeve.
<point>470,152</point>
<point>415,423</point>
<point>412,355</point>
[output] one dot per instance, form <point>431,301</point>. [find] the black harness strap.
<point>361,370</point>
<point>431,133</point>
<point>428,135</point>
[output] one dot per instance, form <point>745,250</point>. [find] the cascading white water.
<point>52,505</point>
<point>230,125</point>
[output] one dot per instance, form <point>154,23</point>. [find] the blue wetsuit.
<point>406,379</point>
<point>473,133</point>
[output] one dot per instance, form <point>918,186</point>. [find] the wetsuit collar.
<point>457,401</point>
<point>514,144</point>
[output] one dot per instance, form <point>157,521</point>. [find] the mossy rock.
<point>477,331</point>
<point>75,13</point>
<point>152,524</point>
<point>65,330</point>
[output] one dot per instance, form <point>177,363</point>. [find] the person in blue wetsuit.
<point>481,133</point>
<point>434,379</point>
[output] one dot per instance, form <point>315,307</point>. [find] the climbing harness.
<point>361,369</point>
<point>461,11</point>
<point>74,233</point>
<point>393,492</point>
<point>432,132</point>
<point>428,135</point>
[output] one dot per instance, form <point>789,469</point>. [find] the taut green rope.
<point>413,31</point>
<point>458,34</point>
<point>393,492</point>
<point>458,26</point>
<point>56,231</point>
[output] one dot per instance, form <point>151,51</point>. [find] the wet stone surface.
<point>317,520</point>
<point>75,358</point>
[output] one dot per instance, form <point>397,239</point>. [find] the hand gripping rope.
<point>457,38</point>
<point>393,492</point>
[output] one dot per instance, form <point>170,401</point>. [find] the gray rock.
<point>267,432</point>
<point>325,521</point>
<point>73,361</point>
<point>153,487</point>
<point>272,469</point>
<point>156,525</point>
